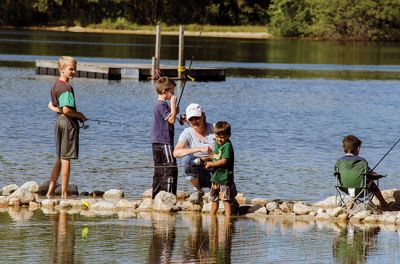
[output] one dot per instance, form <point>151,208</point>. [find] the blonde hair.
<point>164,84</point>
<point>64,61</point>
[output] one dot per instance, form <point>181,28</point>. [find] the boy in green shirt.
<point>66,126</point>
<point>223,185</point>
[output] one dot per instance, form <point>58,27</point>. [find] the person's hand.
<point>210,152</point>
<point>82,117</point>
<point>207,165</point>
<point>173,100</point>
<point>205,149</point>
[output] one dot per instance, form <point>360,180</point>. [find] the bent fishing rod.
<point>384,156</point>
<point>190,65</point>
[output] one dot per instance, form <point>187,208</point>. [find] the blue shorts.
<point>192,171</point>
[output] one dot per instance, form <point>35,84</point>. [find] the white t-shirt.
<point>190,140</point>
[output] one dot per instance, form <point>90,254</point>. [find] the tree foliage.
<point>326,19</point>
<point>83,12</point>
<point>337,19</point>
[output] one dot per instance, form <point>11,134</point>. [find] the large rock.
<point>31,186</point>
<point>24,196</point>
<point>258,201</point>
<point>113,194</point>
<point>257,208</point>
<point>240,198</point>
<point>72,190</point>
<point>182,195</point>
<point>3,201</point>
<point>391,196</point>
<point>49,203</point>
<point>69,203</point>
<point>271,206</point>
<point>125,204</point>
<point>301,208</point>
<point>286,207</point>
<point>9,189</point>
<point>148,193</point>
<point>328,202</point>
<point>44,187</point>
<point>188,206</point>
<point>164,201</point>
<point>103,206</point>
<point>146,204</point>
<point>335,211</point>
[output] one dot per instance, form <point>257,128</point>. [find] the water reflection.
<point>163,238</point>
<point>221,239</point>
<point>354,243</point>
<point>63,239</point>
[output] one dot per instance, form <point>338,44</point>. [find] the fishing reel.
<point>84,125</point>
<point>199,162</point>
<point>182,119</point>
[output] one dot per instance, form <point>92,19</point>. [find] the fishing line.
<point>384,156</point>
<point>111,123</point>
<point>190,65</point>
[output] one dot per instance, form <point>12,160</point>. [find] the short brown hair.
<point>164,84</point>
<point>64,61</point>
<point>222,128</point>
<point>350,144</point>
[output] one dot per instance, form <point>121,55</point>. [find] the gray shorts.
<point>67,138</point>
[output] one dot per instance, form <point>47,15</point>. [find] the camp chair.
<point>351,184</point>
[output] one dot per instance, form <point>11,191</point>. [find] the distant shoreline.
<point>213,34</point>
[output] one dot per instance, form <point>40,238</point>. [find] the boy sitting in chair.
<point>353,169</point>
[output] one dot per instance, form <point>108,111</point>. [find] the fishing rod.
<point>384,156</point>
<point>99,121</point>
<point>190,65</point>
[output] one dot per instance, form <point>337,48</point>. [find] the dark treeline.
<point>142,12</point>
<point>325,19</point>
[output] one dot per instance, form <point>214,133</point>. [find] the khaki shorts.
<point>67,138</point>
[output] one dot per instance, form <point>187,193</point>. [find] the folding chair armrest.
<point>375,177</point>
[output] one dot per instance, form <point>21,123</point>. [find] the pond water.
<point>290,102</point>
<point>187,238</point>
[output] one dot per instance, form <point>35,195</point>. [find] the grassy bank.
<point>121,27</point>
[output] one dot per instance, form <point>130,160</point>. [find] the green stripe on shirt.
<point>66,99</point>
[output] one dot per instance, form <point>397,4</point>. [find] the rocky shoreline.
<point>97,203</point>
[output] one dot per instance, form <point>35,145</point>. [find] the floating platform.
<point>118,71</point>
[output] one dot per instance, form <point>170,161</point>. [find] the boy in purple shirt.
<point>162,138</point>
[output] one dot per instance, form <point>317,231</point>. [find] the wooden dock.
<point>118,71</point>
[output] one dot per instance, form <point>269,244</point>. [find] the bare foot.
<point>50,196</point>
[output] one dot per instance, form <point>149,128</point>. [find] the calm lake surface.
<point>290,102</point>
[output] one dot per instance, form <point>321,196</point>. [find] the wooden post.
<point>181,58</point>
<point>155,66</point>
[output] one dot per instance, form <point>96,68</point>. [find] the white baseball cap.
<point>193,110</point>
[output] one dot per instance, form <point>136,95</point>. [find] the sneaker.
<point>196,196</point>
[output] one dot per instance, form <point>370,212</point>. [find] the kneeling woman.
<point>196,141</point>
